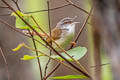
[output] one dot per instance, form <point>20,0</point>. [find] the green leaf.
<point>77,53</point>
<point>18,12</point>
<point>28,57</point>
<point>20,24</point>
<point>70,77</point>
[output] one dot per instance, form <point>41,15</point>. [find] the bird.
<point>62,34</point>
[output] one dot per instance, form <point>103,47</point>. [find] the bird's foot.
<point>73,43</point>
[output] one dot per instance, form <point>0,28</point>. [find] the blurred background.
<point>27,70</point>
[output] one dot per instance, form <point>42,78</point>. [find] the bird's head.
<point>67,22</point>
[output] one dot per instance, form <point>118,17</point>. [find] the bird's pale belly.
<point>64,41</point>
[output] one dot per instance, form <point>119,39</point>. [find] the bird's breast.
<point>66,37</point>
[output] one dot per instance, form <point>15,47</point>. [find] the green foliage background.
<point>42,20</point>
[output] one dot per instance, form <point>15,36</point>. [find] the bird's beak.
<point>74,19</point>
<point>75,23</point>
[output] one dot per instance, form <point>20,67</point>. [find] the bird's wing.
<point>55,34</point>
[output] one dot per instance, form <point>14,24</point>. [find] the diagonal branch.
<point>1,51</point>
<point>70,2</point>
<point>50,73</point>
<point>81,29</point>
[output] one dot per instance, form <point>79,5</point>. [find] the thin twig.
<point>4,14</point>
<point>5,63</point>
<point>50,36</point>
<point>16,4</point>
<point>38,60</point>
<point>70,2</point>
<point>65,5</point>
<point>3,7</point>
<point>40,10</point>
<point>99,65</point>
<point>46,41</point>
<point>50,73</point>
<point>81,29</point>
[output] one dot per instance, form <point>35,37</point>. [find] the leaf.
<point>18,12</point>
<point>20,24</point>
<point>18,47</point>
<point>26,27</point>
<point>70,77</point>
<point>77,53</point>
<point>28,57</point>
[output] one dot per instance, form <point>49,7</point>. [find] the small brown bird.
<point>63,33</point>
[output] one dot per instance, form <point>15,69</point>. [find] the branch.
<point>70,2</point>
<point>55,68</point>
<point>3,7</point>
<point>41,10</point>
<point>100,65</point>
<point>81,29</point>
<point>5,14</point>
<point>50,36</point>
<point>5,63</point>
<point>65,5</point>
<point>16,3</point>
<point>38,60</point>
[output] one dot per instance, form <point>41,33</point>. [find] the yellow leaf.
<point>28,57</point>
<point>18,47</point>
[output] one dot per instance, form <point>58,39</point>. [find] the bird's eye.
<point>65,22</point>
